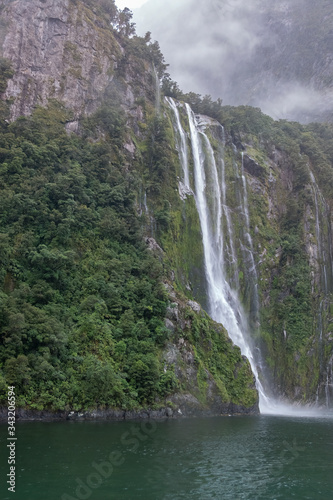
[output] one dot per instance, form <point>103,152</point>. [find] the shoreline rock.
<point>186,407</point>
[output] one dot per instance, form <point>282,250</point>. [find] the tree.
<point>122,23</point>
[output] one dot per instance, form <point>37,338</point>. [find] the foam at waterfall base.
<point>281,408</point>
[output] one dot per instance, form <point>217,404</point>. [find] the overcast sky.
<point>201,40</point>
<point>131,4</point>
<point>225,48</point>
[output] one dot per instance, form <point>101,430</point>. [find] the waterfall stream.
<point>181,142</point>
<point>210,198</point>
<point>157,92</point>
<point>247,249</point>
<point>324,259</point>
<point>226,210</point>
<point>325,256</point>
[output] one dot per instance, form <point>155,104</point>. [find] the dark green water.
<point>262,457</point>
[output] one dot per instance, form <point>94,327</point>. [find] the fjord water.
<point>225,458</point>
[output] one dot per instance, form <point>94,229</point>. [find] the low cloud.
<point>203,42</point>
<point>236,50</point>
<point>295,102</point>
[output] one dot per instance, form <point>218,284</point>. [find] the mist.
<point>243,53</point>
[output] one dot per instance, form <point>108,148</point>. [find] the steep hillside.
<point>276,183</point>
<point>89,316</point>
<point>105,269</point>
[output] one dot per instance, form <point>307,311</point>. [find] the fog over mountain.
<point>278,55</point>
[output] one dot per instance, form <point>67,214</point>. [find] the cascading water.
<point>181,142</point>
<point>151,223</point>
<point>324,247</point>
<point>324,258</point>
<point>247,249</point>
<point>223,302</point>
<point>157,92</point>
<point>329,383</point>
<point>208,185</point>
<point>226,211</point>
<point>145,206</point>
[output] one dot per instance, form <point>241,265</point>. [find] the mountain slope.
<point>103,275</point>
<point>89,318</point>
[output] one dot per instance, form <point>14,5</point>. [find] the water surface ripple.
<point>258,457</point>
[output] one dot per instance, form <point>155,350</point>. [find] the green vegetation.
<point>82,305</point>
<point>216,355</point>
<point>204,105</point>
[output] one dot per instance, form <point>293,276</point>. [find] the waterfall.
<point>157,92</point>
<point>181,142</point>
<point>324,258</point>
<point>247,249</point>
<point>145,202</point>
<point>329,384</point>
<point>226,211</point>
<point>207,182</point>
<point>150,224</point>
<point>223,302</point>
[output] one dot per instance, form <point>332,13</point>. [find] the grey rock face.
<point>153,245</point>
<point>194,306</point>
<point>57,50</point>
<point>252,167</point>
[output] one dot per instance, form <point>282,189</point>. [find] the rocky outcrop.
<point>60,50</point>
<point>252,167</point>
<point>202,393</point>
<point>190,406</point>
<point>23,414</point>
<point>183,405</point>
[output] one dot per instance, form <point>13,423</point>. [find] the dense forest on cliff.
<point>96,259</point>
